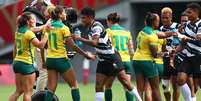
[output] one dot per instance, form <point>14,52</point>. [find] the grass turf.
<point>87,92</point>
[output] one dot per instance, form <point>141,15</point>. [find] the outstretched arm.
<point>130,48</point>
<point>162,35</point>
<point>96,31</point>
<point>71,44</point>
<point>93,42</point>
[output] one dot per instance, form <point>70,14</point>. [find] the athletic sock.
<point>135,92</point>
<point>48,96</point>
<point>99,96</point>
<point>75,94</point>
<point>129,97</point>
<point>186,92</point>
<point>108,95</point>
<point>194,98</point>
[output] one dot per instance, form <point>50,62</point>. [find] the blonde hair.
<point>166,10</point>
<point>50,9</point>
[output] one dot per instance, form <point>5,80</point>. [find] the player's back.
<point>23,38</point>
<point>120,38</point>
<point>56,40</point>
<point>145,38</point>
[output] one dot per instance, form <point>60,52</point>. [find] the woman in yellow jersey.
<point>41,81</point>
<point>57,61</point>
<point>143,63</point>
<point>25,40</point>
<point>122,42</point>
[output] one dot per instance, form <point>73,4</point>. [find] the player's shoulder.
<point>161,28</point>
<point>174,25</point>
<point>65,28</point>
<point>108,29</point>
<point>29,32</point>
<point>97,24</point>
<point>198,23</point>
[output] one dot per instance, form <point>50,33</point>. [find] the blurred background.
<point>132,13</point>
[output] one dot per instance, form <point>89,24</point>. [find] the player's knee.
<point>181,81</point>
<point>108,86</point>
<point>166,85</point>
<point>19,92</point>
<point>99,88</point>
<point>74,85</point>
<point>125,82</point>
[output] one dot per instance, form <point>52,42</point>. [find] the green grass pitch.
<point>87,92</point>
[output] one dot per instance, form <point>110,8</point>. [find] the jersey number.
<point>52,40</point>
<point>19,46</point>
<point>121,42</point>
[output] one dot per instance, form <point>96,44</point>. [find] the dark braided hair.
<point>114,17</point>
<point>88,12</point>
<point>150,18</point>
<point>195,6</point>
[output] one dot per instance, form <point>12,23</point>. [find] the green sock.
<point>129,97</point>
<point>108,95</point>
<point>48,95</point>
<point>75,94</point>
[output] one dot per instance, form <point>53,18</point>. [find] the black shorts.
<point>168,69</point>
<point>189,65</point>
<point>109,65</point>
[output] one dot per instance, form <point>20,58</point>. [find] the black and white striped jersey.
<point>104,45</point>
<point>171,41</point>
<point>193,47</point>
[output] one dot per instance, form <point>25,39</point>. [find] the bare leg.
<point>140,84</point>
<point>27,85</point>
<point>52,80</point>
<point>191,85</point>
<point>100,82</point>
<point>122,76</point>
<point>154,83</point>
<point>19,90</point>
<point>148,91</point>
<point>108,90</point>
<point>176,89</point>
<point>182,79</point>
<point>69,77</point>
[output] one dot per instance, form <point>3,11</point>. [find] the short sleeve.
<point>153,39</point>
<point>161,28</point>
<point>164,41</point>
<point>66,32</point>
<point>199,30</point>
<point>96,30</point>
<point>30,35</point>
<point>109,32</point>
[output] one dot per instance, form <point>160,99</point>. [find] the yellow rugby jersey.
<point>161,42</point>
<point>145,38</point>
<point>56,40</point>
<point>25,50</point>
<point>120,38</point>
